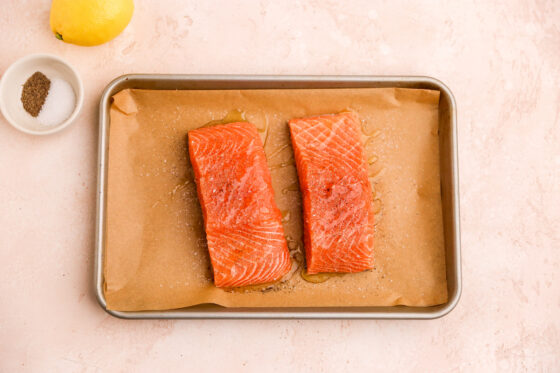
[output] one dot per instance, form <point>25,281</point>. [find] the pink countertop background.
<point>502,61</point>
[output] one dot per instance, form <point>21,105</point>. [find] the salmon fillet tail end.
<point>242,222</point>
<point>338,215</point>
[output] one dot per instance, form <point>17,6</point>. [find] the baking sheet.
<point>155,254</point>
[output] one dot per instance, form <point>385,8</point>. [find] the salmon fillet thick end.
<point>338,214</point>
<point>242,222</point>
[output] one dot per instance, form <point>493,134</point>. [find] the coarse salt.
<point>59,104</point>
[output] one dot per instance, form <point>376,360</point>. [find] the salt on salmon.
<point>243,224</point>
<point>338,215</point>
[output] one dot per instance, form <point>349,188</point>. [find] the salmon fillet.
<point>337,196</point>
<point>242,222</point>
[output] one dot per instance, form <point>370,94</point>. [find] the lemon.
<point>89,22</point>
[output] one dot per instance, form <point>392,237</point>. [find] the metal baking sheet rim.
<point>184,81</point>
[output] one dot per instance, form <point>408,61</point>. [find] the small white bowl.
<point>11,86</point>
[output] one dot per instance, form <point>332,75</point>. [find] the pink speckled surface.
<point>501,61</point>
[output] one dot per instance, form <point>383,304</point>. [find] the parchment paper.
<point>155,250</point>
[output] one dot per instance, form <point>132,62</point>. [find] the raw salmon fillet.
<point>337,196</point>
<point>242,222</point>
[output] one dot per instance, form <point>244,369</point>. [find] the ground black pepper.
<point>34,93</point>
